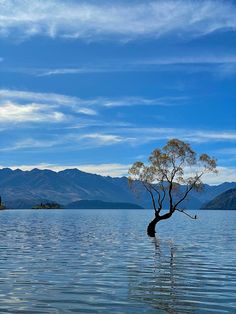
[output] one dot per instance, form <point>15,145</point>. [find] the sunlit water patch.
<point>66,261</point>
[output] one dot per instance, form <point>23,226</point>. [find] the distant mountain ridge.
<point>226,200</point>
<point>20,188</point>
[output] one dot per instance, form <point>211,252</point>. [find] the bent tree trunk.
<point>151,229</point>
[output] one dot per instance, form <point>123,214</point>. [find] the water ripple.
<point>103,262</point>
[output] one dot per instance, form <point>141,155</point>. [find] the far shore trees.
<point>172,172</point>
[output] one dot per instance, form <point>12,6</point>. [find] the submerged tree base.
<point>152,225</point>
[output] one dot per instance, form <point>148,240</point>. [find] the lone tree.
<point>171,174</point>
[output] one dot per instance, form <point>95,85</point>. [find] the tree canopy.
<point>168,169</point>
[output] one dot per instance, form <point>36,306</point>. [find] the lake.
<point>101,261</point>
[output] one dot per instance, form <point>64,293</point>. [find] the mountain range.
<point>226,200</point>
<point>24,189</point>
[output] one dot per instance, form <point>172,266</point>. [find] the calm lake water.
<point>100,261</point>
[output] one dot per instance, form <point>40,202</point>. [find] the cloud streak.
<point>84,106</point>
<point>144,135</point>
<point>95,21</point>
<point>30,145</point>
<point>222,64</point>
<point>75,115</point>
<point>36,97</point>
<point>12,112</point>
<point>104,139</point>
<point>18,107</point>
<point>25,106</point>
<point>202,59</point>
<point>69,141</point>
<point>129,136</point>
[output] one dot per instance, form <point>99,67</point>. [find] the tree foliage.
<point>169,169</point>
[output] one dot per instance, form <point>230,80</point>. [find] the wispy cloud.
<point>11,112</point>
<point>202,59</point>
<point>226,70</point>
<point>109,169</point>
<point>93,21</point>
<point>25,106</point>
<point>116,137</point>
<point>34,96</point>
<point>202,136</point>
<point>103,138</point>
<point>138,101</point>
<point>75,70</point>
<point>68,141</point>
<point>94,140</point>
<point>227,151</point>
<point>29,144</point>
<point>221,64</point>
<point>144,135</point>
<point>85,106</point>
<point>225,174</point>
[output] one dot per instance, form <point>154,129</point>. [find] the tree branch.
<point>159,195</point>
<point>188,190</point>
<point>166,216</point>
<point>152,197</point>
<point>163,197</point>
<point>182,211</point>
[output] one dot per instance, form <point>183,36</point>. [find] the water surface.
<point>100,261</point>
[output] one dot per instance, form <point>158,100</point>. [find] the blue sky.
<point>99,84</point>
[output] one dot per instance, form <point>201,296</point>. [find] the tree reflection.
<point>159,281</point>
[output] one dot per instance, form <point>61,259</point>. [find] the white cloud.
<point>70,142</point>
<point>87,111</point>
<point>129,136</point>
<point>25,106</point>
<point>145,135</point>
<point>16,113</point>
<point>113,170</point>
<point>61,71</point>
<point>29,144</point>
<point>37,97</point>
<point>225,174</point>
<point>223,65</point>
<point>103,139</point>
<point>202,136</point>
<point>202,59</point>
<point>138,101</point>
<point>227,151</point>
<point>84,106</point>
<point>91,21</point>
<point>226,70</point>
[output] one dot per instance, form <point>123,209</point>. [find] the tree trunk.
<point>151,227</point>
